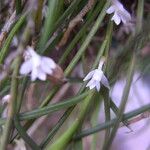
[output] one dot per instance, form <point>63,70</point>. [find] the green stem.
<point>88,39</point>
<point>115,109</point>
<point>54,107</point>
<point>62,142</point>
<point>38,16</point>
<point>106,93</point>
<point>18,6</point>
<point>140,11</point>
<point>7,43</point>
<point>112,122</point>
<point>12,107</point>
<point>54,9</point>
<point>94,120</point>
<point>56,127</point>
<point>123,103</point>
<point>24,135</point>
<point>80,33</point>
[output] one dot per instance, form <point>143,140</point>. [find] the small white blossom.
<point>37,66</point>
<point>5,100</point>
<point>120,13</point>
<point>96,77</point>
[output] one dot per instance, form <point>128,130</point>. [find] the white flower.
<point>120,13</point>
<point>5,101</point>
<point>36,65</point>
<point>96,76</point>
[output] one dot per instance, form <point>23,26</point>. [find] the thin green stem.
<point>24,135</point>
<point>123,103</point>
<point>18,6</point>
<point>94,120</point>
<point>54,9</point>
<point>7,43</point>
<point>38,16</point>
<point>140,11</point>
<point>112,122</point>
<point>13,109</point>
<point>54,107</point>
<point>106,93</point>
<point>56,127</point>
<point>12,106</point>
<point>87,40</point>
<point>61,143</point>
<point>81,32</point>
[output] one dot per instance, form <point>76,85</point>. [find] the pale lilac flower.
<point>120,13</point>
<point>37,66</point>
<point>96,77</point>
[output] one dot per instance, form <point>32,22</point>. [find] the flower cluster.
<point>96,77</point>
<point>120,13</point>
<point>37,66</point>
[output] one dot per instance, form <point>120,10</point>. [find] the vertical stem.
<point>106,95</point>
<point>38,16</point>
<point>12,107</point>
<point>140,11</point>
<point>94,120</point>
<point>54,9</point>
<point>18,6</point>
<point>123,103</point>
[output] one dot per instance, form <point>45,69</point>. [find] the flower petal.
<point>41,75</point>
<point>98,87</point>
<point>34,74</point>
<point>98,75</point>
<point>105,82</point>
<point>125,17</point>
<point>31,51</point>
<point>6,99</point>
<point>89,75</point>
<point>110,10</point>
<point>117,5</point>
<point>49,62</point>
<point>36,61</point>
<point>116,18</point>
<point>26,67</point>
<point>91,84</point>
<point>47,65</point>
<point>46,69</point>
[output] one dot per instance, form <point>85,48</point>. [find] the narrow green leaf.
<point>56,127</point>
<point>54,107</point>
<point>54,9</point>
<point>61,143</point>
<point>7,43</point>
<point>88,39</point>
<point>123,103</point>
<point>111,123</point>
<point>24,135</point>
